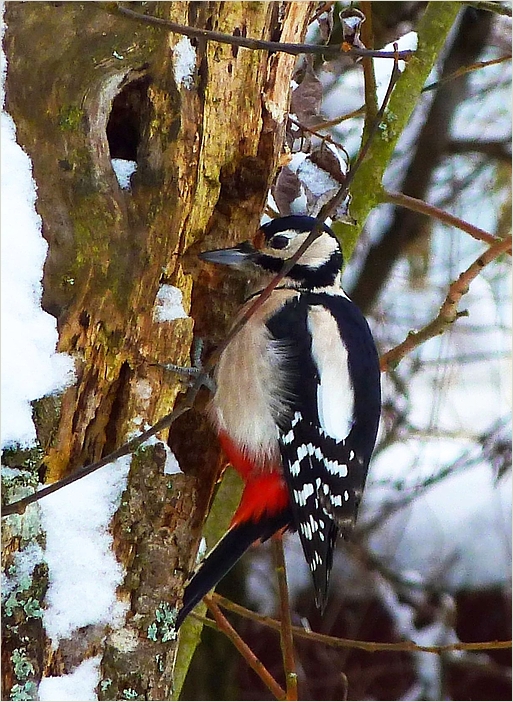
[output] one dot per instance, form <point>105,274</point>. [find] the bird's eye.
<point>279,242</point>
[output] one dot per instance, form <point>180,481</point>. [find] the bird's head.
<point>278,240</point>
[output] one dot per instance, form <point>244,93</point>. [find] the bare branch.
<point>371,646</point>
<point>449,310</point>
<point>491,7</point>
<point>360,112</point>
<point>286,639</point>
<point>19,506</point>
<point>417,205</point>
<point>371,102</point>
<point>248,655</point>
<point>466,69</point>
<point>246,42</point>
<point>491,148</point>
<point>325,137</point>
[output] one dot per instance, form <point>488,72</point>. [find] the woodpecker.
<point>296,405</point>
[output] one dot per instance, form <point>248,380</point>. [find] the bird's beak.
<point>236,256</point>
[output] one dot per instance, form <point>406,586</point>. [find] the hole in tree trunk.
<point>127,116</point>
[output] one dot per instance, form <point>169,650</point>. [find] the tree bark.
<point>83,85</point>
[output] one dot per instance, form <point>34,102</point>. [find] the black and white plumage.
<point>297,398</point>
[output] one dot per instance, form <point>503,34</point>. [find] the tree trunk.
<point>85,84</point>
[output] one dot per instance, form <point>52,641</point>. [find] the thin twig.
<point>374,128</point>
<point>491,7</point>
<point>499,149</point>
<point>248,655</point>
<point>19,506</point>
<point>371,646</point>
<point>326,211</point>
<point>464,70</point>
<point>413,203</point>
<point>369,79</point>
<point>325,137</point>
<point>327,124</point>
<point>449,310</point>
<point>245,42</point>
<point>324,8</point>
<point>406,495</point>
<point>286,639</point>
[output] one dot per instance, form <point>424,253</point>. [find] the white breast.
<point>251,384</point>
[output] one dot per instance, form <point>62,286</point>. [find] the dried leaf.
<point>351,20</point>
<point>325,21</point>
<point>285,190</point>
<point>307,98</point>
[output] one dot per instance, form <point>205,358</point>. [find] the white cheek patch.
<point>335,395</point>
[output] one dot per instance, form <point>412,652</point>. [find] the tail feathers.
<point>319,556</point>
<point>226,554</point>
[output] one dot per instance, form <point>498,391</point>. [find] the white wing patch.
<point>335,396</point>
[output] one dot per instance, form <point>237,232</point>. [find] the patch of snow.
<point>83,570</point>
<point>168,304</point>
<point>124,170</point>
<point>300,204</point>
<point>316,179</point>
<point>30,366</point>
<point>77,686</point>
<point>296,160</point>
<point>202,549</point>
<point>184,64</point>
<point>171,466</point>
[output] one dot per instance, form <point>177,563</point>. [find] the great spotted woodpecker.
<point>296,405</point>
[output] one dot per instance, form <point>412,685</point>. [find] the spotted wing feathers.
<point>325,480</point>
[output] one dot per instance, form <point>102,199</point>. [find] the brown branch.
<point>466,69</point>
<point>492,148</point>
<point>360,112</point>
<point>374,128</point>
<point>326,211</point>
<point>248,655</point>
<point>19,506</point>
<point>371,646</point>
<point>417,205</point>
<point>369,79</point>
<point>491,7</point>
<point>449,310</point>
<point>246,42</point>
<point>313,131</point>
<point>286,639</point>
<point>324,8</point>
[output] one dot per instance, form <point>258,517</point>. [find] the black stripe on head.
<point>308,277</point>
<point>299,223</point>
